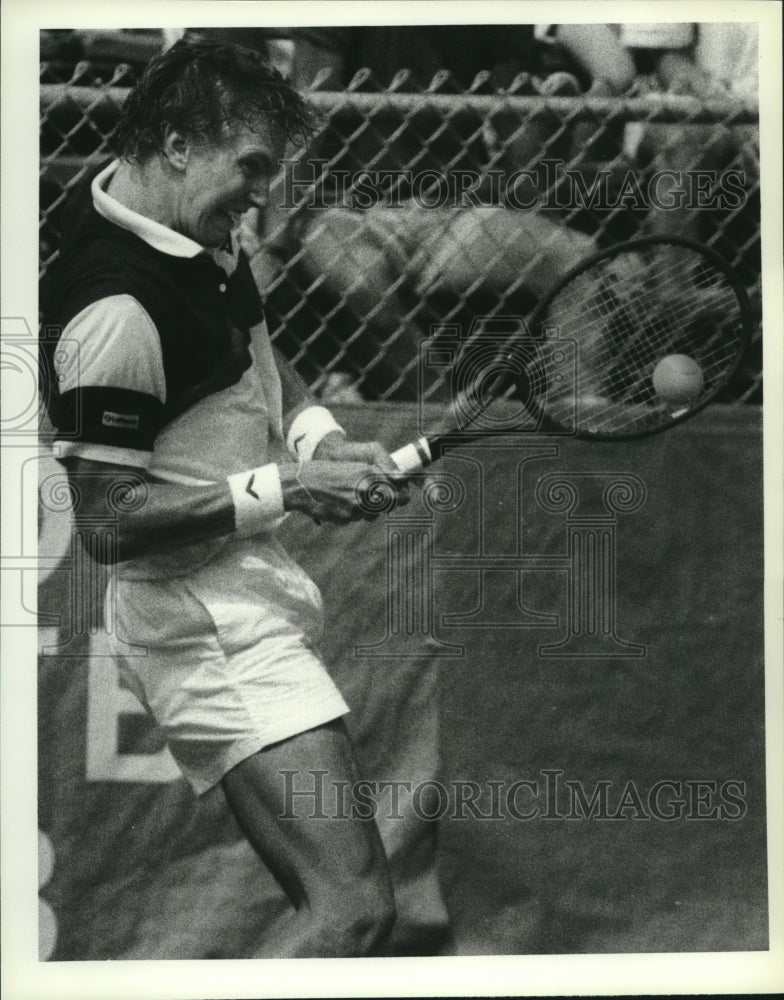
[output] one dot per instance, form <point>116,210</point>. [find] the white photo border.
<point>547,975</point>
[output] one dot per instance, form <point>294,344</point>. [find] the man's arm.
<point>597,48</point>
<point>296,395</point>
<point>679,74</point>
<point>305,418</point>
<point>153,517</point>
<point>162,516</point>
<point>150,517</point>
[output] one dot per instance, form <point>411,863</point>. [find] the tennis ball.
<point>678,378</point>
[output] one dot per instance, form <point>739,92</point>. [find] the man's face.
<point>222,181</point>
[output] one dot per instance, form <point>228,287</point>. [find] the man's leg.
<point>360,258</point>
<point>396,733</point>
<point>332,869</point>
<point>499,250</point>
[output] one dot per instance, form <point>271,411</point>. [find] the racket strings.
<point>624,315</point>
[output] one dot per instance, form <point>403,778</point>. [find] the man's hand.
<point>333,447</point>
<point>340,491</point>
<point>679,74</point>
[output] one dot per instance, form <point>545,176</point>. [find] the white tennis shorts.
<point>230,662</point>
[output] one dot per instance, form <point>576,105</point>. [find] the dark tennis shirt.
<point>155,351</point>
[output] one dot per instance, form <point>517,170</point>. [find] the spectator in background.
<point>91,56</point>
<point>499,55</point>
<point>703,61</point>
<point>388,272</point>
<point>700,59</point>
<point>605,69</point>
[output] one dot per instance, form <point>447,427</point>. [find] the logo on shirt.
<point>128,421</point>
<point>249,487</point>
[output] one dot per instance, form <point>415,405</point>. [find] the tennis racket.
<point>634,340</point>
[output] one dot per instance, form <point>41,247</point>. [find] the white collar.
<point>154,233</point>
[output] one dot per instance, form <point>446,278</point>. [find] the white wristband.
<point>307,429</point>
<point>258,499</point>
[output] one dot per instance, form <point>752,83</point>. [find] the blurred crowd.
<point>701,59</point>
<point>382,277</point>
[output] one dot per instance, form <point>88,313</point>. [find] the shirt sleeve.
<point>111,383</point>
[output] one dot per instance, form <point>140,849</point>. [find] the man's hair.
<point>200,87</point>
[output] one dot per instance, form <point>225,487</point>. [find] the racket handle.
<point>413,457</point>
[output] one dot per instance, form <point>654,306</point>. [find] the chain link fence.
<point>410,211</point>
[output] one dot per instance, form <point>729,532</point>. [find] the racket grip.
<point>413,457</point>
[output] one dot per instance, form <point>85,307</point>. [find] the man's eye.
<point>252,170</point>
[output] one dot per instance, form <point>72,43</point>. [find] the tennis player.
<point>165,368</point>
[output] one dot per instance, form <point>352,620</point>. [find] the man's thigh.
<point>296,803</point>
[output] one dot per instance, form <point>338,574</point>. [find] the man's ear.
<point>176,149</point>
